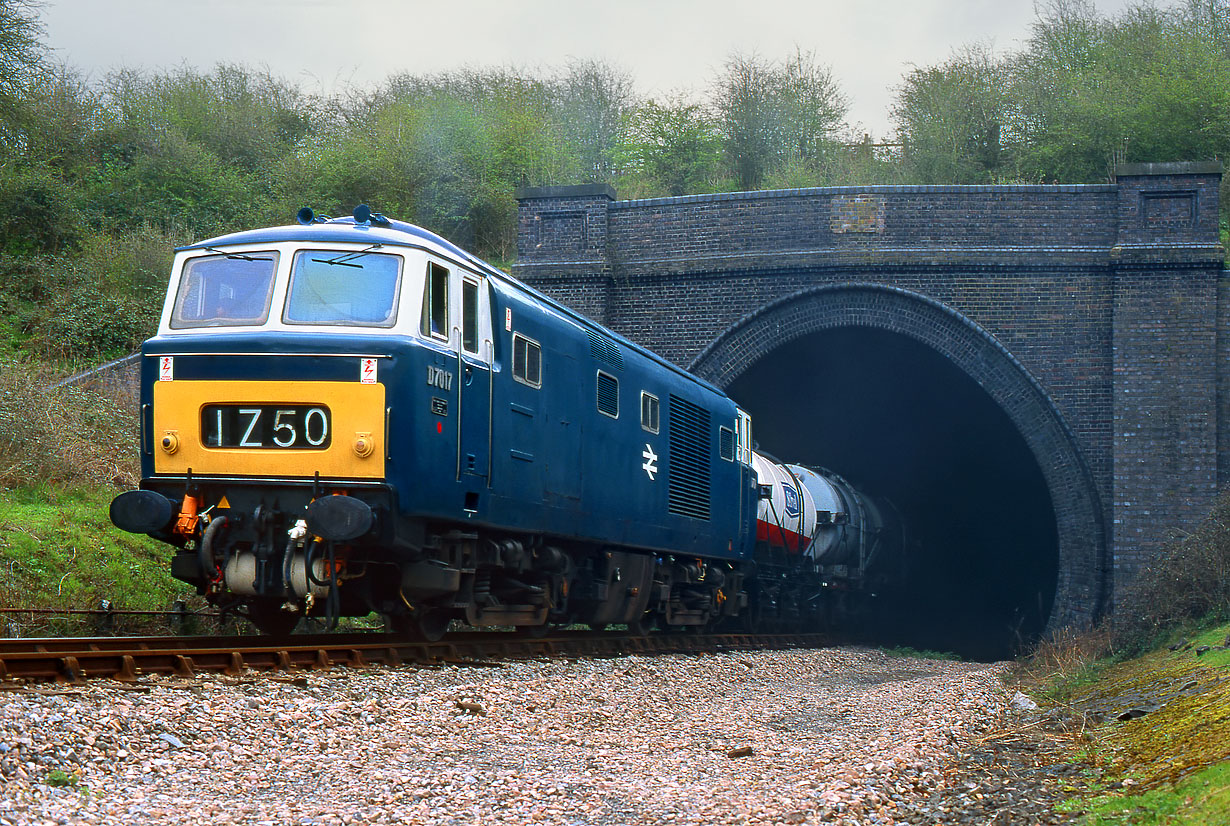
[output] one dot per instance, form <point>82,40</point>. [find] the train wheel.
<point>424,625</point>
<point>430,624</point>
<point>642,627</point>
<point>269,618</point>
<point>535,632</point>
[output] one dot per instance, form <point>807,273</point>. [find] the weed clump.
<point>60,778</point>
<point>1064,661</point>
<point>1188,584</point>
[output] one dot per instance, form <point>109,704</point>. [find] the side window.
<point>435,302</point>
<point>726,443</point>
<point>649,412</point>
<point>527,361</point>
<point>469,315</point>
<point>608,395</point>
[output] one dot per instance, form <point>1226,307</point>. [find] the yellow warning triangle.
<point>222,503</point>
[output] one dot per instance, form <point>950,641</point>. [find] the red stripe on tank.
<point>778,538</point>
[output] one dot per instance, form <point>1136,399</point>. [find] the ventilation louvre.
<point>688,479</point>
<point>608,395</point>
<point>605,351</point>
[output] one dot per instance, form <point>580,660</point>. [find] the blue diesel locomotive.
<point>354,415</point>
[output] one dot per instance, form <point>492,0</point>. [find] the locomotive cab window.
<point>225,290</point>
<point>352,289</point>
<point>527,361</point>
<point>608,395</point>
<point>726,443</point>
<point>435,302</point>
<point>649,412</point>
<point>743,430</point>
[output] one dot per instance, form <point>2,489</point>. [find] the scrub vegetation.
<point>63,453</point>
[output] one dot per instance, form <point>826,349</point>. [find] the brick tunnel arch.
<point>912,327</point>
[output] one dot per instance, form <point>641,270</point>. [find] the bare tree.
<point>21,50</point>
<point>594,100</point>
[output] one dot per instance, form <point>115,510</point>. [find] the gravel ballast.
<point>833,735</point>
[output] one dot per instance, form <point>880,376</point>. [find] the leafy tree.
<point>1069,115</point>
<point>773,115</point>
<point>194,150</point>
<point>670,149</point>
<point>448,151</point>
<point>63,115</point>
<point>951,118</point>
<point>594,103</point>
<point>1148,85</point>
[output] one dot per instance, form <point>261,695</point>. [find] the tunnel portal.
<point>904,423</point>
<point>1094,318</point>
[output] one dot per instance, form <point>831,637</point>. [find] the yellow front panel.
<point>356,410</point>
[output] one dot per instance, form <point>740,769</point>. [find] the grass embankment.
<point>1147,696</point>
<point>1154,730</point>
<point>59,550</point>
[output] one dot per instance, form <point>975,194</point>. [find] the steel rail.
<point>128,658</point>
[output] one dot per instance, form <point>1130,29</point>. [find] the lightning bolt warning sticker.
<point>367,371</point>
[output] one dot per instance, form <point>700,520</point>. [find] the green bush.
<point>133,261</point>
<point>92,325</point>
<point>100,302</point>
<point>38,212</point>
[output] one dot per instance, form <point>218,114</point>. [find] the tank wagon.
<point>353,415</point>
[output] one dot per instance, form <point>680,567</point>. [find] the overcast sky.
<point>667,45</point>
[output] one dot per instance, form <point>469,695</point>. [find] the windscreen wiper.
<point>238,255</point>
<point>345,258</point>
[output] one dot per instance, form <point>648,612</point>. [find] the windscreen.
<point>347,288</point>
<point>225,290</point>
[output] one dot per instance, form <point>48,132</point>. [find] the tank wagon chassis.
<point>296,460</point>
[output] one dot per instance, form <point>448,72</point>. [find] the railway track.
<point>75,659</point>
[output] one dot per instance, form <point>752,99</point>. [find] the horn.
<point>305,215</point>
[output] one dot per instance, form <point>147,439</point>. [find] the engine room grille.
<point>688,477</point>
<point>605,351</point>
<point>608,395</point>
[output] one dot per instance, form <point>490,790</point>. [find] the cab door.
<point>474,391</point>
<point>749,491</point>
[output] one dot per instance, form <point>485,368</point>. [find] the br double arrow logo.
<point>651,462</point>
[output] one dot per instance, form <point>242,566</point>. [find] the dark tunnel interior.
<point>901,421</point>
